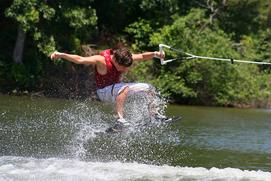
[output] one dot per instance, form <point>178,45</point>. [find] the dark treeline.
<point>240,29</point>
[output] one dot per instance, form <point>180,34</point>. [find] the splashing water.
<point>87,123</point>
<point>22,169</point>
<point>135,144</point>
<point>64,140</point>
<point>72,130</point>
<point>142,107</point>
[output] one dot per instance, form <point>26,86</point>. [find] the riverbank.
<point>70,81</point>
<point>90,94</point>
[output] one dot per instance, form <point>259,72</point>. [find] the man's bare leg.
<point>120,100</point>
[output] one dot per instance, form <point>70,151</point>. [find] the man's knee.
<point>123,92</point>
<point>142,87</point>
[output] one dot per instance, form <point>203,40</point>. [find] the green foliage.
<point>49,25</point>
<point>243,17</point>
<point>46,45</point>
<point>239,30</point>
<point>19,74</point>
<point>160,9</point>
<point>262,45</point>
<point>19,77</point>
<point>192,76</point>
<point>41,20</point>
<point>140,31</point>
<point>205,81</point>
<point>80,17</point>
<point>115,15</point>
<point>28,12</point>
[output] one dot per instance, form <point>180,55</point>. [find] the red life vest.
<point>112,75</point>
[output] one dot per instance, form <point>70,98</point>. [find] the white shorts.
<point>107,94</point>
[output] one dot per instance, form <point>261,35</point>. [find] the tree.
<point>44,26</point>
<point>204,81</point>
<point>242,17</point>
<point>27,14</point>
<point>38,19</point>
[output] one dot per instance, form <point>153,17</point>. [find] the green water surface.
<point>205,137</point>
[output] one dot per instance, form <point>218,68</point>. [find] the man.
<point>109,66</point>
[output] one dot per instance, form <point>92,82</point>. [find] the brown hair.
<point>123,57</point>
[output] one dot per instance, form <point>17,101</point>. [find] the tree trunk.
<point>19,46</point>
<point>215,11</point>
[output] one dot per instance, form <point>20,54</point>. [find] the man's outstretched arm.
<point>92,60</point>
<point>146,56</point>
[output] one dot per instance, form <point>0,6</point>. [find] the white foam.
<point>19,168</point>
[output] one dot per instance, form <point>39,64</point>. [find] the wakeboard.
<point>118,127</point>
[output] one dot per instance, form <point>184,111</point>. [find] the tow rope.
<point>188,56</point>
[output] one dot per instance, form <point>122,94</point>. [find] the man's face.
<point>121,68</point>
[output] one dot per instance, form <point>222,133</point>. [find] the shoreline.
<point>266,104</point>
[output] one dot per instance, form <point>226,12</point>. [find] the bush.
<point>206,82</point>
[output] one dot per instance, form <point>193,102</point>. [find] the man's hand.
<point>56,55</point>
<point>160,55</point>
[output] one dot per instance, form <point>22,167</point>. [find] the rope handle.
<point>162,52</point>
<point>191,56</point>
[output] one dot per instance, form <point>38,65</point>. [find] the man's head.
<point>123,57</point>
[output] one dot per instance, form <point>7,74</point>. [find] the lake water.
<point>54,139</point>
